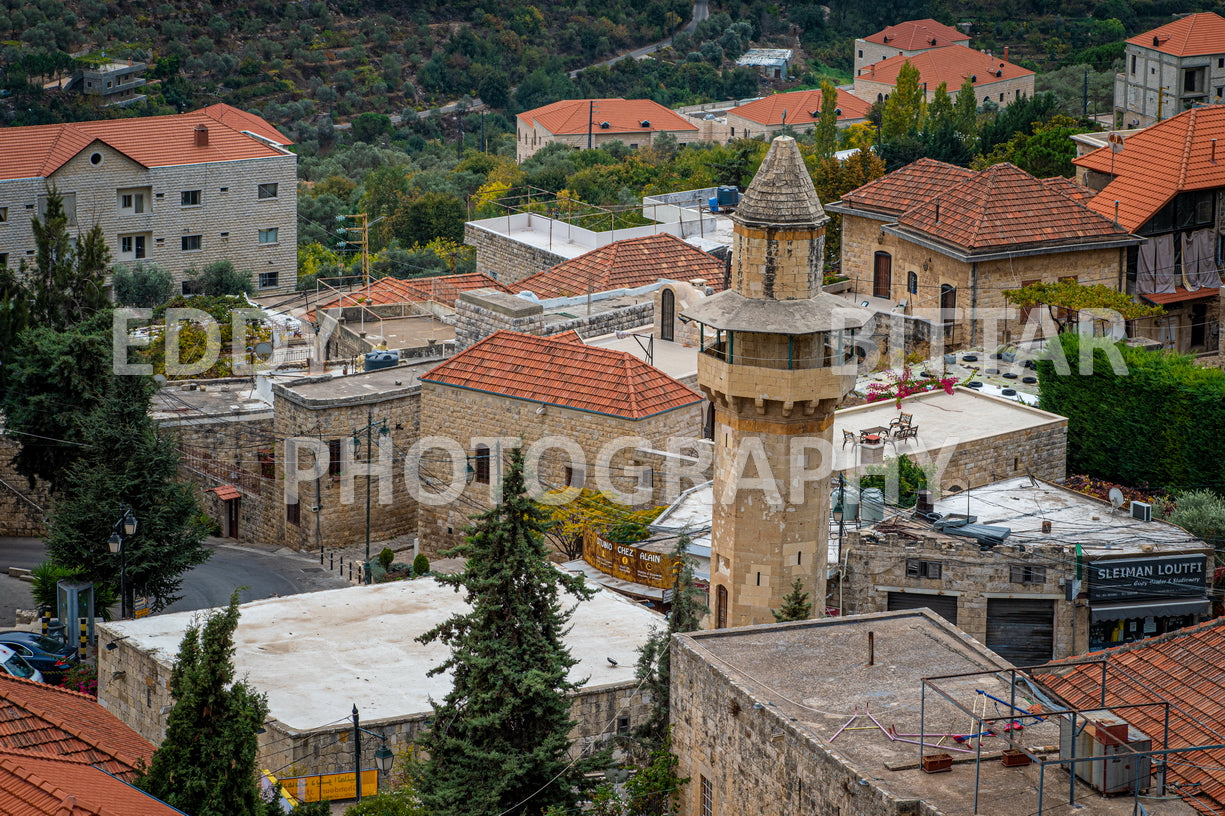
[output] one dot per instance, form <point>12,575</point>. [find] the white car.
<point>16,665</point>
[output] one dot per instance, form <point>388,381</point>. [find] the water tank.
<point>729,196</point>
<point>873,505</point>
<point>381,359</point>
<point>846,501</point>
<point>714,205</point>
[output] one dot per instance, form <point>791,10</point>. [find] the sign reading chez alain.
<point>1128,579</point>
<point>628,563</point>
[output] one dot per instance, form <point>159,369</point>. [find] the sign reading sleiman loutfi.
<point>1166,576</point>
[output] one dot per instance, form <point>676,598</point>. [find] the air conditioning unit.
<point>1108,746</point>
<point>1142,511</point>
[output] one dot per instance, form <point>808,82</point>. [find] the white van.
<point>16,665</point>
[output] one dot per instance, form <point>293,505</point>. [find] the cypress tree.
<point>207,764</point>
<point>654,657</point>
<point>796,606</point>
<point>825,136</point>
<point>499,737</point>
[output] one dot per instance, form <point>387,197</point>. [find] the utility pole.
<point>363,229</point>
<point>590,119</point>
<point>369,429</point>
<point>1084,103</point>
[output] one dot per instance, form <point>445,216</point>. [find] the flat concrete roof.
<point>942,419</point>
<point>330,388</point>
<point>406,332</point>
<point>677,361</point>
<point>317,654</point>
<point>1023,505</point>
<point>814,677</point>
<point>209,400</point>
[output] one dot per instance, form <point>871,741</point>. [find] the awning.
<point>226,492</point>
<point>1179,295</point>
<point>1156,609</point>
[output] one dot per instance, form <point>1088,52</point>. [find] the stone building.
<point>180,192</point>
<point>776,359</point>
<point>1167,185</point>
<point>995,80</point>
<point>583,123</point>
<point>941,242</point>
<point>908,39</point>
<point>115,83</point>
<point>23,510</point>
<point>1009,577</point>
<point>317,655</point>
<point>482,312</point>
<point>824,717</point>
<point>1170,69</point>
<point>798,110</point>
<point>596,408</point>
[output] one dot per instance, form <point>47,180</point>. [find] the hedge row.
<point>1160,424</point>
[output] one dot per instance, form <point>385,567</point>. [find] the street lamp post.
<point>383,757</point>
<point>126,524</point>
<point>383,431</point>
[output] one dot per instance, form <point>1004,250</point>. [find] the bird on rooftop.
<point>611,661</point>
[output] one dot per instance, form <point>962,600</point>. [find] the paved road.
<point>264,571</point>
<point>701,10</point>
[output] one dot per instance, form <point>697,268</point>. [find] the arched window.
<point>948,309</point>
<point>882,275</point>
<point>480,464</point>
<point>912,282</point>
<point>667,314</point>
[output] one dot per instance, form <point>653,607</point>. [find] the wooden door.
<point>882,275</point>
<point>667,314</point>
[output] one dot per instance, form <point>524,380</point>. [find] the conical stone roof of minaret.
<point>781,194</point>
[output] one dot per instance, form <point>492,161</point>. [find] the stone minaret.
<point>777,358</point>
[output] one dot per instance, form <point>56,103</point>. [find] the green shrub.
<point>421,564</point>
<point>386,557</point>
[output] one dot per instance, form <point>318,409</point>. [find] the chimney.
<point>1005,53</point>
<point>201,135</point>
<point>698,283</point>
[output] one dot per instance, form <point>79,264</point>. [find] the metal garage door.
<point>943,605</point>
<point>1021,631</point>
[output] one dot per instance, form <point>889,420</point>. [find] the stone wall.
<point>22,508</point>
<point>1002,91</point>
<point>876,565</point>
<point>325,515</point>
<point>467,416</point>
<point>719,736</point>
<point>480,313</point>
<point>503,258</point>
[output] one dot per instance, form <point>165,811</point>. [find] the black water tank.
<point>381,359</point>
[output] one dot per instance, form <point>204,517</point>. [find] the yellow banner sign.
<point>629,563</point>
<point>330,787</point>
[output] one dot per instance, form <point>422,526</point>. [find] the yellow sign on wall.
<point>331,787</point>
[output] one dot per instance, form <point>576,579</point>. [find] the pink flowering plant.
<point>82,677</point>
<point>905,383</point>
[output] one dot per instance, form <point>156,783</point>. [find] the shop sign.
<point>1128,579</point>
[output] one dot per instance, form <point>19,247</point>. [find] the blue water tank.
<point>729,196</point>
<point>714,205</point>
<point>846,501</point>
<point>381,359</point>
<point>872,506</point>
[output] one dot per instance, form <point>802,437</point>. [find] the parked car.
<point>50,657</point>
<point>16,665</point>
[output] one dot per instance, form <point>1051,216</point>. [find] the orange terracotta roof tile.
<point>800,107</point>
<point>49,719</point>
<point>1070,188</point>
<point>1003,206</point>
<point>1182,668</point>
<point>1170,157</point>
<point>39,785</point>
<point>902,189</point>
<point>914,35</point>
<point>441,288</point>
<point>151,141</point>
<point>563,373</point>
<point>1189,36</point>
<point>1180,295</point>
<point>950,65</point>
<point>573,116</point>
<point>225,492</point>
<point>626,264</point>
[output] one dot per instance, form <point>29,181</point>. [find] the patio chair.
<point>906,432</point>
<point>847,436</point>
<point>901,421</point>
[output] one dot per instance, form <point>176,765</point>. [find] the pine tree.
<point>940,111</point>
<point>67,281</point>
<point>905,107</point>
<point>500,735</point>
<point>965,111</point>
<point>127,463</point>
<point>207,765</point>
<point>654,657</point>
<point>825,136</point>
<point>796,606</point>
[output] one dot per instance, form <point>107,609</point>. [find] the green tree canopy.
<point>142,286</point>
<point>1065,299</point>
<point>500,735</point>
<point>207,765</point>
<point>905,108</point>
<point>825,136</point>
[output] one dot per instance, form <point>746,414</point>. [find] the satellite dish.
<point>1116,498</point>
<point>263,349</point>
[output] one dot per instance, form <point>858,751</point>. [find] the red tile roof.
<point>561,372</point>
<point>1179,295</point>
<point>442,288</point>
<point>950,65</point>
<point>225,492</point>
<point>1157,163</point>
<point>902,189</point>
<point>1003,206</point>
<point>1070,188</point>
<point>152,141</point>
<point>1183,668</point>
<point>1188,36</point>
<point>53,720</point>
<point>915,35</point>
<point>573,116</point>
<point>36,785</point>
<point>626,264</point>
<point>800,107</point>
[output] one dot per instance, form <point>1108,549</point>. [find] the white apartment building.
<point>178,192</point>
<point>1170,69</point>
